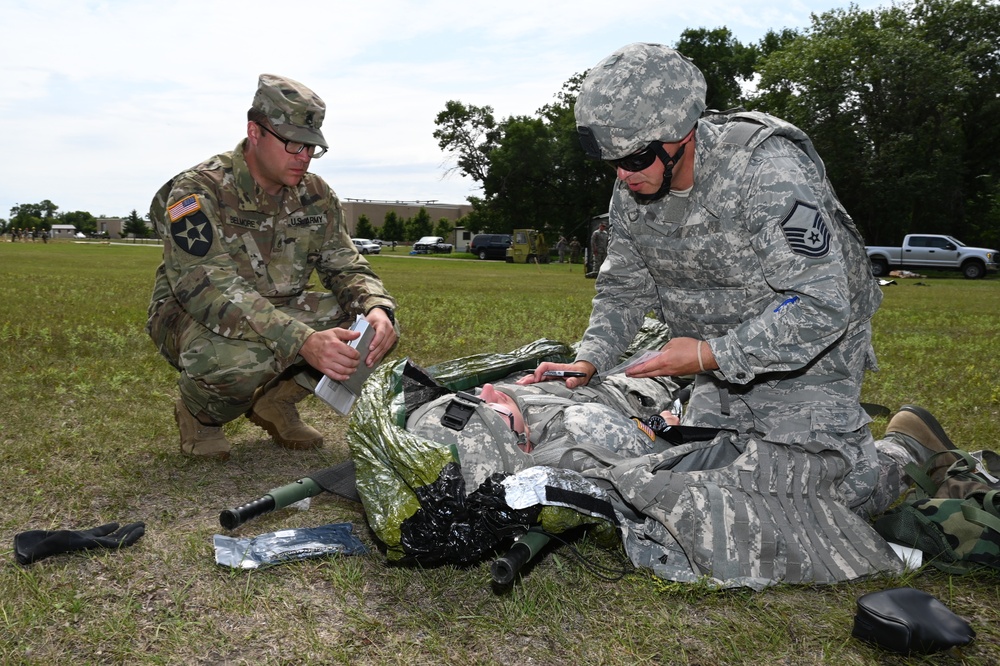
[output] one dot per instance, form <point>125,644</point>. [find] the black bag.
<point>906,620</point>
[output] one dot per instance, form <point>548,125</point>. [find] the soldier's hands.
<point>571,382</point>
<point>328,352</point>
<point>678,357</point>
<point>385,336</point>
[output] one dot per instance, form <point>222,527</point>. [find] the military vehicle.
<point>528,247</point>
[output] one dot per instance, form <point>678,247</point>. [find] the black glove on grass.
<point>36,545</point>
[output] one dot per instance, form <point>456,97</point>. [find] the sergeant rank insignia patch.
<point>189,226</point>
<point>806,231</point>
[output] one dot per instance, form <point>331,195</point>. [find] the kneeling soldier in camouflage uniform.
<point>231,310</point>
<point>726,226</point>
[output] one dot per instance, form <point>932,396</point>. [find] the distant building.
<point>375,210</point>
<point>62,231</point>
<point>112,226</point>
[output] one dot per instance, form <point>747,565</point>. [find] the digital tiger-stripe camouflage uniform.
<point>231,309</point>
<point>761,276</point>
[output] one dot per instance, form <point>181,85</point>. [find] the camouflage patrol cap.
<point>639,94</point>
<point>295,111</point>
<point>485,445</point>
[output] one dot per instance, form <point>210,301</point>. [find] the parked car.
<point>365,246</point>
<point>929,251</point>
<point>432,245</point>
<point>490,246</point>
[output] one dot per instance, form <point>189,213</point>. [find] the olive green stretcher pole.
<point>277,498</point>
<point>339,480</point>
<point>525,548</point>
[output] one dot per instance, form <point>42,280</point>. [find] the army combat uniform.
<point>599,248</point>
<point>565,424</point>
<point>232,304</point>
<point>569,428</point>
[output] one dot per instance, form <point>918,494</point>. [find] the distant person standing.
<point>242,234</point>
<point>561,248</point>
<point>574,251</point>
<point>599,246</point>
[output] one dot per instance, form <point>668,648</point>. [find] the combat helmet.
<point>639,94</point>
<point>482,438</point>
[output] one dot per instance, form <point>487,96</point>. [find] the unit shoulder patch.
<point>193,233</point>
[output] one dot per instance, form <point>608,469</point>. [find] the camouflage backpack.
<point>952,513</point>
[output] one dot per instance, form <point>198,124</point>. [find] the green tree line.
<point>902,103</point>
<point>399,229</point>
<point>41,216</point>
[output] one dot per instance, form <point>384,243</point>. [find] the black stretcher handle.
<point>233,518</point>
<point>524,549</point>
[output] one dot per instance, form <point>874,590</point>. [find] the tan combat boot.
<point>920,426</point>
<point>273,409</point>
<point>923,436</point>
<point>198,439</point>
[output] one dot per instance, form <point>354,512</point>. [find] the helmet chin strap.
<point>668,174</point>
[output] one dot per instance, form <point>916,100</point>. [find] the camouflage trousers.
<point>774,513</point>
<point>218,375</point>
<point>587,435</point>
<point>892,479</point>
<point>785,496</point>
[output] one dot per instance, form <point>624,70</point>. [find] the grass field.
<point>87,436</point>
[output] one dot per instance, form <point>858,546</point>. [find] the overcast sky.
<point>101,102</point>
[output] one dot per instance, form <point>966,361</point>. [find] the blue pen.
<point>787,301</point>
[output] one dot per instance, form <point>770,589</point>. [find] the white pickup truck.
<point>930,251</point>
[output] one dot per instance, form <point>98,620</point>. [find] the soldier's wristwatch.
<point>656,423</point>
<point>388,312</point>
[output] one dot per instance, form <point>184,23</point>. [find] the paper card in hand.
<point>341,395</point>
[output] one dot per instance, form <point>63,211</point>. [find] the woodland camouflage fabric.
<point>231,303</point>
<point>956,535</point>
<point>952,513</point>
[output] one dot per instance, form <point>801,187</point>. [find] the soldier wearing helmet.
<point>725,225</point>
<point>637,110</point>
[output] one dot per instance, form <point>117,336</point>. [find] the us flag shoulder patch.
<point>645,429</point>
<point>806,231</point>
<point>185,206</point>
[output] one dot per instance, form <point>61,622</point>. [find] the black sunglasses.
<point>636,161</point>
